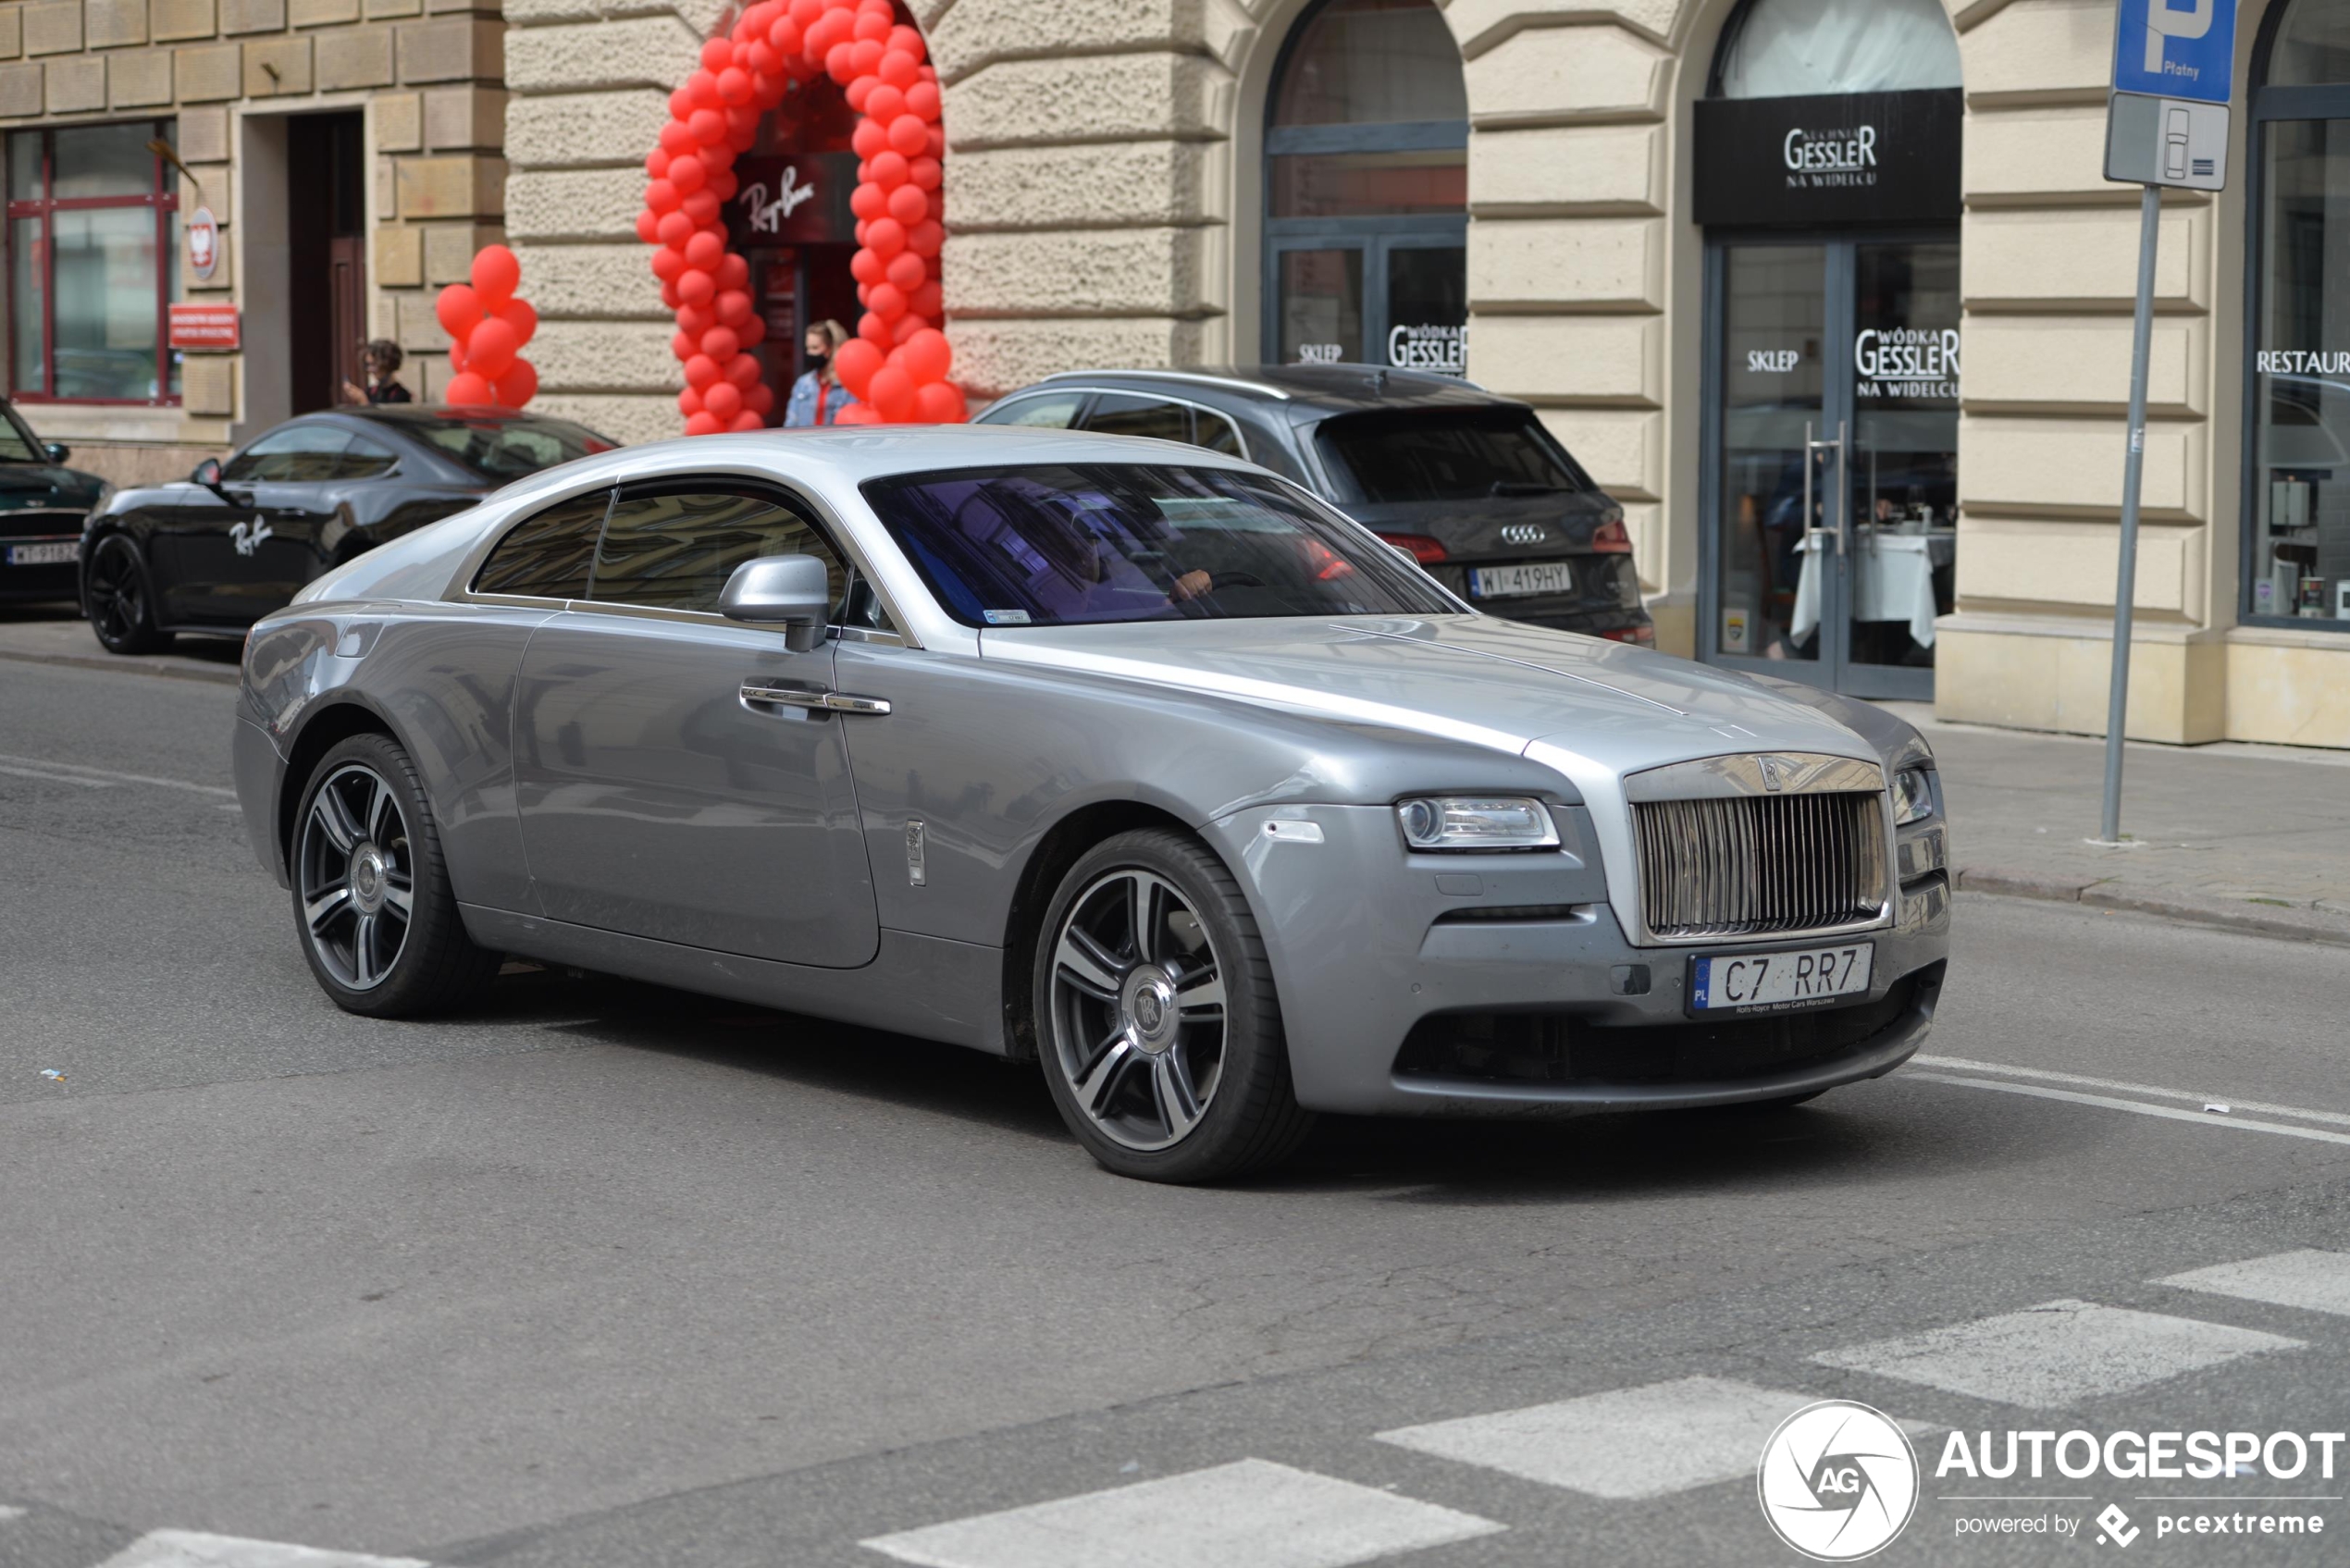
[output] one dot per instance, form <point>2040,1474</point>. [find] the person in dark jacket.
<point>381,360</point>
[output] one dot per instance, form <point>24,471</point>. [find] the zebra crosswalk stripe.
<point>190,1549</point>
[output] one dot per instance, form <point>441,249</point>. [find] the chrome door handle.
<point>1836,530</point>
<point>755,693</point>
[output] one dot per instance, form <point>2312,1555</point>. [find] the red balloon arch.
<point>897,363</point>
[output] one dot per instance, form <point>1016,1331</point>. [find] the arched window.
<point>1366,190</point>
<point>2297,563</point>
<point>1799,48</point>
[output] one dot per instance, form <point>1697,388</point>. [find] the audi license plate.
<point>58,554</point>
<point>1517,582</point>
<point>1741,982</point>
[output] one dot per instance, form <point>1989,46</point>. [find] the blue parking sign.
<point>2176,49</point>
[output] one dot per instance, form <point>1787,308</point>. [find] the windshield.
<point>1449,454</point>
<point>1068,544</point>
<point>17,443</point>
<point>508,448</point>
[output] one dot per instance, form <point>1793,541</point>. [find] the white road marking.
<point>1630,1443</point>
<point>2139,1107</point>
<point>2056,1354</point>
<point>1253,1511</point>
<point>2309,1279</point>
<point>57,778</point>
<point>189,1549</point>
<point>2156,1091</point>
<point>79,773</point>
<point>8,1513</point>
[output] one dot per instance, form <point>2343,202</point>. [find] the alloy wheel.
<point>356,876</point>
<point>1137,1002</point>
<point>117,598</point>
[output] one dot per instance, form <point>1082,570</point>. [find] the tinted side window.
<point>1121,414</point>
<point>675,550</point>
<point>547,556</point>
<point>364,459</point>
<point>1053,411</point>
<point>297,454</point>
<point>1217,433</point>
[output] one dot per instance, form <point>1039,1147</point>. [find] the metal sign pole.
<point>2133,465</point>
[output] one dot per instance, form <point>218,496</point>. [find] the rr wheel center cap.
<point>1147,1004</point>
<point>368,882</point>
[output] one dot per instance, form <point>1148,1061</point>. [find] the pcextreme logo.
<point>1837,1481</point>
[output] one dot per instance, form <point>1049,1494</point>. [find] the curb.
<point>125,666</point>
<point>2294,924</point>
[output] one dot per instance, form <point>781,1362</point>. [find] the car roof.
<point>445,414</point>
<point>1309,388</point>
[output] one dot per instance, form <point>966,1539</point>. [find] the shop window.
<point>2297,388</point>
<point>1366,190</point>
<point>93,238</point>
<point>1798,48</point>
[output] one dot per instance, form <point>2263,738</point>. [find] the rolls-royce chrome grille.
<point>1759,846</point>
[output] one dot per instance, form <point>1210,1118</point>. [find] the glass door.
<point>1833,495</point>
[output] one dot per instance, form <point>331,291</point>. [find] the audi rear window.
<point>1443,454</point>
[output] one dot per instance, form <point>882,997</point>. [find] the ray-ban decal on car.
<point>1206,801</point>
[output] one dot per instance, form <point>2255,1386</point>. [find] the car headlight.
<point>1912,797</point>
<point>99,503</point>
<point>1476,822</point>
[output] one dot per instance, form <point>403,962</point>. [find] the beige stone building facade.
<point>347,151</point>
<point>1173,182</point>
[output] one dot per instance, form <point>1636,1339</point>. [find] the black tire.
<point>1133,1045</point>
<point>119,599</point>
<point>368,955</point>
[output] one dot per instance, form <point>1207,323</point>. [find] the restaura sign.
<point>1903,362</point>
<point>1428,346</point>
<point>792,200</point>
<point>1848,157</point>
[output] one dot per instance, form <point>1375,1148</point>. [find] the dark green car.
<point>42,505</point>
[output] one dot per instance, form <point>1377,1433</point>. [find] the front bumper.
<point>1379,955</point>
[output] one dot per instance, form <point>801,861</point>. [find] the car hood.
<point>1471,678</point>
<point>24,485</point>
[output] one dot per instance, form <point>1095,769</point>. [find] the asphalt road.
<point>605,1275</point>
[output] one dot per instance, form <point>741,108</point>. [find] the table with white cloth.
<point>1892,579</point>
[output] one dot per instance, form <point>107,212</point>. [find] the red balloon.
<point>695,320</point>
<point>868,139</point>
<point>702,87</point>
<point>865,293</point>
<point>856,414</point>
<point>720,344</point>
<point>925,238</point>
<point>909,135</point>
<point>675,138</point>
<point>763,62</point>
<point>924,172</point>
<point>885,102</point>
<point>906,40</point>
<point>922,101</point>
<point>860,93</point>
<point>733,306</point>
<point>686,175</point>
<point>709,126</point>
<point>869,202</point>
<point>892,391</point>
<point>649,226</point>
<point>900,69</point>
<point>904,328</point>
<point>669,264</point>
<point>927,355</point>
<point>704,249</point>
<point>742,370</point>
<point>656,164</point>
<point>467,390</point>
<point>491,348</point>
<point>457,308</point>
<point>695,287</point>
<point>840,63</point>
<point>701,208</point>
<point>856,360</point>
<point>805,12</point>
<point>887,301</point>
<point>523,316</point>
<point>927,302</point>
<point>675,228</point>
<point>907,271</point>
<point>885,237</point>
<point>669,296</point>
<point>866,267</point>
<point>684,345</point>
<point>723,184</point>
<point>752,332</point>
<point>910,203</point>
<point>733,272</point>
<point>704,424</point>
<point>787,39</point>
<point>733,84</point>
<point>725,400</point>
<point>496,276</point>
<point>873,329</point>
<point>717,53</point>
<point>700,370</point>
<point>689,402</point>
<point>681,104</point>
<point>748,419</point>
<point>939,402</point>
<point>761,399</point>
<point>935,142</point>
<point>456,355</point>
<point>519,385</point>
<point>888,169</point>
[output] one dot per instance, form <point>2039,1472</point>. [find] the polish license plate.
<point>1517,582</point>
<point>1767,982</point>
<point>58,554</point>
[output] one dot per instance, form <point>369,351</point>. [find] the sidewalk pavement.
<point>2252,838</point>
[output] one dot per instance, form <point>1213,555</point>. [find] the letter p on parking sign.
<point>2175,48</point>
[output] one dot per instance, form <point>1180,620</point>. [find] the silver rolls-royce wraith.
<point>1114,754</point>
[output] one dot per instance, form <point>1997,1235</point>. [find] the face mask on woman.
<point>818,361</point>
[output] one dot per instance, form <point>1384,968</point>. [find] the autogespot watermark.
<point>1839,1481</point>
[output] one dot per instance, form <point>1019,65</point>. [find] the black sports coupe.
<point>42,505</point>
<point>216,551</point>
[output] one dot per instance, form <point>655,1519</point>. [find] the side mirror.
<point>58,452</point>
<point>792,591</point>
<point>207,474</point>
